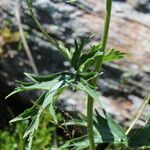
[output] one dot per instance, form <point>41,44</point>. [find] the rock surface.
<point>124,83</point>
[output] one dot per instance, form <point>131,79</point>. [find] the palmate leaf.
<point>36,111</point>
<point>53,86</point>
<point>96,53</point>
<point>105,131</point>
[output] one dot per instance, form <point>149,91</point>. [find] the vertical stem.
<point>106,24</point>
<point>98,69</point>
<point>90,123</point>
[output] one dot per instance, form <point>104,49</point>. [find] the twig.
<point>24,41</point>
<point>139,113</point>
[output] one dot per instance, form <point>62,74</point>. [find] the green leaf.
<point>112,55</point>
<point>88,76</point>
<point>79,143</point>
<point>31,111</point>
<point>76,55</point>
<point>59,45</point>
<point>71,1</point>
<point>64,50</point>
<point>54,86</point>
<point>83,85</point>
<point>88,60</point>
<point>87,64</point>
<point>42,83</point>
<point>93,51</point>
<point>24,83</point>
<point>140,137</point>
<point>105,131</point>
<point>108,131</point>
<point>51,106</point>
<point>78,47</point>
<point>41,78</point>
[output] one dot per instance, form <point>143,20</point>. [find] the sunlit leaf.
<point>37,83</point>
<point>53,85</point>
<point>71,1</point>
<point>112,55</point>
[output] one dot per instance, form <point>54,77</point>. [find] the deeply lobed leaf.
<point>53,86</point>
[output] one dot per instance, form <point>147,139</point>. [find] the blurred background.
<point>123,85</point>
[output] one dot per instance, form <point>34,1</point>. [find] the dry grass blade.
<point>24,42</point>
<point>139,113</point>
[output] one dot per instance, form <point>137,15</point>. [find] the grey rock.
<point>66,21</point>
<point>142,5</point>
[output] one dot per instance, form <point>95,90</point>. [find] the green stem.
<point>98,69</point>
<point>90,123</point>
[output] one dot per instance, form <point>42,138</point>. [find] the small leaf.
<point>92,52</point>
<point>78,47</point>
<point>40,78</point>
<point>12,93</point>
<point>90,62</point>
<point>65,51</point>
<point>76,55</point>
<point>47,83</point>
<point>31,111</point>
<point>24,83</point>
<point>112,55</point>
<point>87,64</point>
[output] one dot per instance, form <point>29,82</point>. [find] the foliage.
<point>43,139</point>
<point>143,134</point>
<point>105,131</point>
<point>87,68</point>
